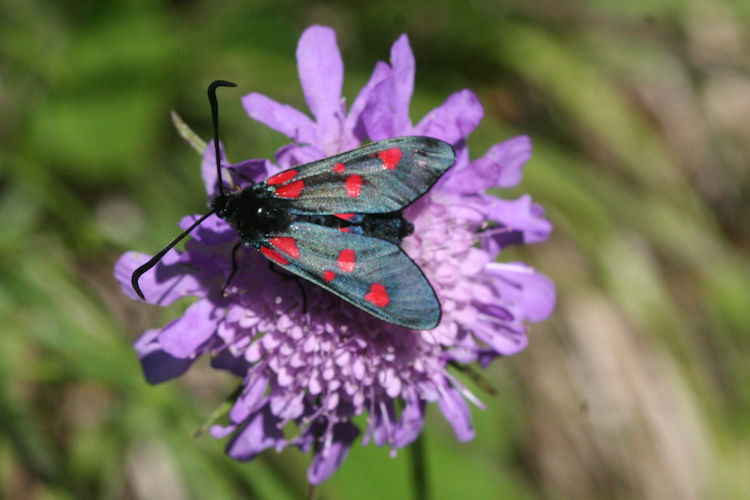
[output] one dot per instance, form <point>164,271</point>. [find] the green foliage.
<point>637,387</point>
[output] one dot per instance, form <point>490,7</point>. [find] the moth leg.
<point>244,177</point>
<point>234,268</point>
<point>296,279</point>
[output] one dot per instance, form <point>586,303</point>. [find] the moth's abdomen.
<point>390,226</point>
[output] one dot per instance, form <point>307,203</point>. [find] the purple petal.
<point>518,215</point>
<point>474,262</point>
<point>501,166</point>
<point>280,117</point>
<point>501,337</point>
<point>329,458</point>
<point>321,72</point>
<point>354,119</point>
<point>168,281</point>
<point>522,284</point>
<point>457,413</point>
<point>225,360</point>
<point>464,350</point>
<point>182,337</point>
<point>256,169</point>
<point>292,155</point>
<point>158,366</point>
<point>412,422</point>
<point>377,116</point>
<point>261,432</point>
<point>382,423</point>
<point>504,162</point>
<point>285,405</point>
<point>487,356</point>
<point>403,64</point>
<point>386,113</point>
<point>212,231</point>
<point>454,120</point>
<point>251,399</point>
<point>222,431</point>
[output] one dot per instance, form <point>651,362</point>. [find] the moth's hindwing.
<point>377,178</point>
<point>373,274</point>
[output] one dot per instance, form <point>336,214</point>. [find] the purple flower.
<point>316,370</point>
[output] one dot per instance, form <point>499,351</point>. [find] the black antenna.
<point>156,258</point>
<point>215,118</point>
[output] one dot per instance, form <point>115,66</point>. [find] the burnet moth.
<point>337,222</point>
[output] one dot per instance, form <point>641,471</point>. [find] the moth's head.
<point>220,204</point>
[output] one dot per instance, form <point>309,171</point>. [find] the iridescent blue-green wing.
<point>381,177</point>
<point>373,274</point>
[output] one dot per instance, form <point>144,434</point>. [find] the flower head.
<point>317,368</point>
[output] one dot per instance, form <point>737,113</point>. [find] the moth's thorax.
<point>252,212</point>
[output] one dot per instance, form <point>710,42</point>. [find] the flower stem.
<point>187,133</point>
<point>419,469</point>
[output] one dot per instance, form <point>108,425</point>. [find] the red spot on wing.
<point>281,177</point>
<point>346,260</point>
<point>390,158</point>
<point>344,216</point>
<point>378,295</point>
<point>328,276</point>
<point>274,255</point>
<point>345,229</point>
<point>353,185</point>
<point>286,245</point>
<point>339,167</point>
<point>292,190</point>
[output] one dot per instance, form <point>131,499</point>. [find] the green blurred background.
<point>637,387</point>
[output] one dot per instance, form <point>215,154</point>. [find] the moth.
<point>338,223</point>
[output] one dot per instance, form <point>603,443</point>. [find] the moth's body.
<point>255,214</point>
